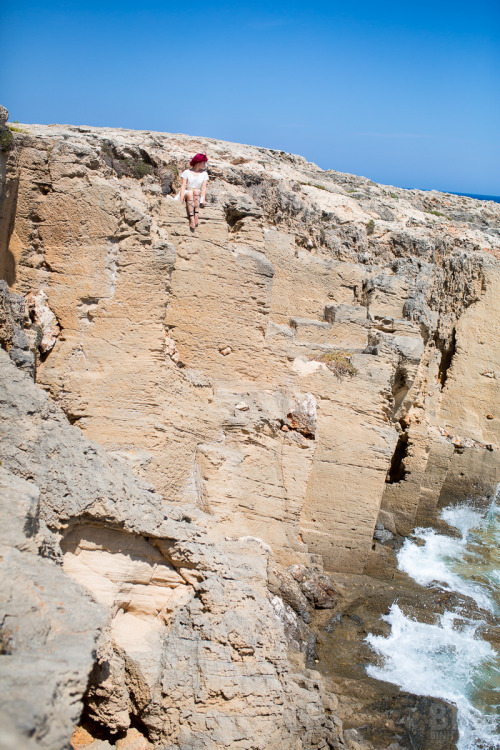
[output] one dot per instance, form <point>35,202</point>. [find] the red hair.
<point>198,158</point>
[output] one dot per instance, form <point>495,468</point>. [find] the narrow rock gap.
<point>98,731</point>
<point>74,418</point>
<point>400,387</point>
<point>397,470</point>
<point>7,221</point>
<point>43,356</point>
<point>137,723</point>
<point>447,354</point>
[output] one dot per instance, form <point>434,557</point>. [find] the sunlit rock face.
<point>130,576</point>
<point>283,391</point>
<point>151,618</point>
<point>296,281</point>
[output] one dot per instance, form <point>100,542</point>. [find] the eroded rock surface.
<point>294,277</point>
<point>193,648</point>
<point>48,627</point>
<point>283,393</point>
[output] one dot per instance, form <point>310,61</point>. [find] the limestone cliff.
<point>289,265</point>
<point>315,368</point>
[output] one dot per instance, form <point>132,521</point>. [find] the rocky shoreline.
<point>229,435</point>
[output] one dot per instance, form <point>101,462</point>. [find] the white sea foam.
<point>429,564</point>
<point>462,517</point>
<point>446,660</point>
<point>449,659</point>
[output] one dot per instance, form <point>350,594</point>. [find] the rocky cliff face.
<point>184,639</point>
<point>315,368</point>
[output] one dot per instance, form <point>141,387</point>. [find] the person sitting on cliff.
<point>194,187</point>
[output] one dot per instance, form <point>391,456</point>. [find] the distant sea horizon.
<point>477,196</point>
<point>495,198</point>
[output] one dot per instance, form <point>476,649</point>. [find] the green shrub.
<point>13,129</point>
<point>339,362</point>
<point>393,195</point>
<point>314,184</point>
<point>370,227</point>
<point>125,167</point>
<point>5,140</point>
<point>139,168</point>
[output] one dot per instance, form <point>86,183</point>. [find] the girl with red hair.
<point>194,187</point>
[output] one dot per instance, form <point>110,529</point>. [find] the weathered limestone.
<point>193,648</point>
<point>165,334</point>
<point>316,369</point>
<point>452,437</point>
<point>48,627</point>
<point>44,321</point>
<point>16,339</point>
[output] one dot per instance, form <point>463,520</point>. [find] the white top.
<point>194,180</point>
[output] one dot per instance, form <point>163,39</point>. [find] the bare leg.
<point>188,197</point>
<point>196,199</point>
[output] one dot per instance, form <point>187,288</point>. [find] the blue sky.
<point>406,93</point>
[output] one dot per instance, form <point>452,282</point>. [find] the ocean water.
<point>450,658</point>
<point>477,196</point>
<point>495,198</point>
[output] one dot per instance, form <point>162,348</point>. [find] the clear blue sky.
<point>406,93</point>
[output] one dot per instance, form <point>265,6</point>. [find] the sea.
<point>495,198</point>
<point>451,658</point>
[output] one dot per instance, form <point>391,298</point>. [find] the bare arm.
<point>183,188</point>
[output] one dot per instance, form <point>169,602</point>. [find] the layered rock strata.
<point>190,646</point>
<point>297,384</point>
<point>165,334</point>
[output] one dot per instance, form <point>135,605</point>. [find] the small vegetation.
<point>139,168</point>
<point>130,167</point>
<point>437,213</point>
<point>314,184</point>
<point>6,641</point>
<point>339,362</point>
<point>351,191</point>
<point>393,195</point>
<point>370,227</point>
<point>15,129</point>
<point>5,140</point>
<point>39,335</point>
<point>175,169</point>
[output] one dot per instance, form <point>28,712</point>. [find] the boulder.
<point>49,627</point>
<point>316,586</point>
